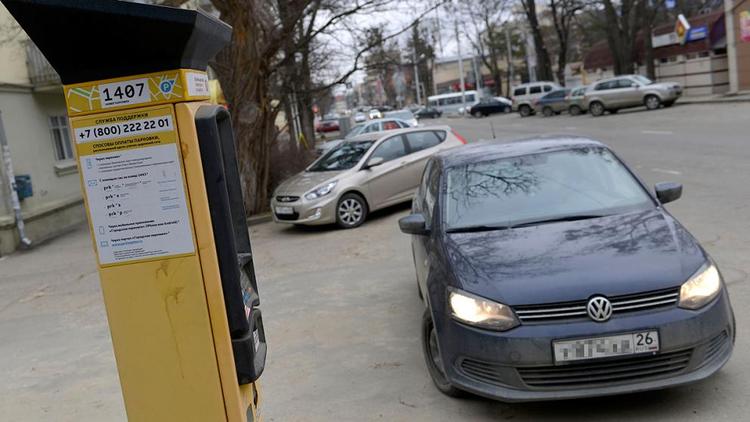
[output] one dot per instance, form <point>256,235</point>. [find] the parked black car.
<point>427,112</point>
<point>550,271</point>
<point>487,106</point>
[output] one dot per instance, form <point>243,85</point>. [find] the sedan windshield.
<point>554,186</point>
<point>342,157</point>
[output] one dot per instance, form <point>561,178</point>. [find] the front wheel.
<point>596,108</point>
<point>574,110</point>
<point>547,112</point>
<point>351,211</point>
<point>652,102</point>
<point>508,109</point>
<point>524,111</point>
<point>477,114</point>
<point>433,358</point>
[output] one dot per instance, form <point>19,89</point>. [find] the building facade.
<point>738,43</point>
<point>33,113</point>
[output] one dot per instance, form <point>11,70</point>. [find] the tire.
<point>477,114</point>
<point>548,112</point>
<point>508,109</point>
<point>351,211</point>
<point>596,108</point>
<point>432,358</point>
<point>574,110</point>
<point>652,102</point>
<point>524,110</point>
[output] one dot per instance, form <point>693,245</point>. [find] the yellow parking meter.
<point>160,179</point>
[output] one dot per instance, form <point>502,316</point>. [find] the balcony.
<point>41,73</point>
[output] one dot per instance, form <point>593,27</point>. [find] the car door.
<point>385,182</point>
<point>618,93</point>
<point>421,145</point>
<point>604,91</point>
<point>629,92</point>
<point>424,203</point>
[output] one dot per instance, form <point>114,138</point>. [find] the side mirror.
<point>668,191</point>
<point>414,224</point>
<point>373,162</point>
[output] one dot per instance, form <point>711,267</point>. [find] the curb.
<point>259,219</point>
<point>717,101</point>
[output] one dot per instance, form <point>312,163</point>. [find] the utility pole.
<point>416,73</point>
<point>460,68</point>
<point>510,55</point>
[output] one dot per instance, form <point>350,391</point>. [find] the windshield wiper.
<point>576,217</point>
<point>477,228</point>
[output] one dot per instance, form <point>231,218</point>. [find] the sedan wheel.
<point>574,110</point>
<point>477,114</point>
<point>433,358</point>
<point>652,102</point>
<point>351,211</point>
<point>525,111</point>
<point>547,112</point>
<point>596,109</point>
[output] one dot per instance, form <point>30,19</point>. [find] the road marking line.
<point>657,132</point>
<point>675,172</point>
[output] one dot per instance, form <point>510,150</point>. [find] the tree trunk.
<point>544,67</point>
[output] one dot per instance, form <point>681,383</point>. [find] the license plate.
<point>284,210</point>
<point>603,347</point>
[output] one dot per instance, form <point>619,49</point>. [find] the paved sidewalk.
<point>742,97</point>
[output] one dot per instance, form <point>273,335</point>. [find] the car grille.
<point>577,309</point>
<point>287,198</point>
<point>288,217</point>
<point>587,374</point>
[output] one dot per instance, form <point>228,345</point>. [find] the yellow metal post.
<point>144,182</point>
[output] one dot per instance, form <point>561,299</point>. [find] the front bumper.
<point>318,212</point>
<point>518,365</point>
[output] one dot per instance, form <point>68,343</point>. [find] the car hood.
<point>567,261</point>
<point>303,182</point>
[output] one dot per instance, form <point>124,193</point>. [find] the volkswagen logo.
<point>599,308</point>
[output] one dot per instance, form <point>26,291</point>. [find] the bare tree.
<point>563,13</point>
<point>544,66</point>
<point>486,36</point>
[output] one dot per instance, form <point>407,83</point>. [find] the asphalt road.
<point>341,310</point>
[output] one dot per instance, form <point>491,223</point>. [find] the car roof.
<point>535,83</point>
<point>494,150</point>
<point>374,136</point>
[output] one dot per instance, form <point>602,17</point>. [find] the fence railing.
<point>41,72</point>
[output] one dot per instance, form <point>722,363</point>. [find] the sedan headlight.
<point>321,191</point>
<point>701,288</point>
<point>480,312</point>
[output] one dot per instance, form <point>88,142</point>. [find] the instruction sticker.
<point>132,175</point>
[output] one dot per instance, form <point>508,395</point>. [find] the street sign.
<point>697,33</point>
<point>682,27</point>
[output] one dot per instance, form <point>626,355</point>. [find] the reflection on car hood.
<point>303,182</point>
<point>614,255</point>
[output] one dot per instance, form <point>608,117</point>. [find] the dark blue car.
<point>548,270</point>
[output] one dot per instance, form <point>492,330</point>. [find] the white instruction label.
<point>134,186</point>
<point>197,84</point>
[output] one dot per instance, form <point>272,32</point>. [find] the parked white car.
<point>525,94</point>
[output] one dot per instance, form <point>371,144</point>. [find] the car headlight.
<point>480,312</point>
<point>701,288</point>
<point>321,191</point>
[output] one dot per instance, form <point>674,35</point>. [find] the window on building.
<point>704,54</point>
<point>61,137</point>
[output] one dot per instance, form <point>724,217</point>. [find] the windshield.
<point>342,157</point>
<point>355,130</point>
<point>518,190</point>
<point>642,79</point>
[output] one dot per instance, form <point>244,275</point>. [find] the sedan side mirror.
<point>668,191</point>
<point>373,162</point>
<point>414,224</point>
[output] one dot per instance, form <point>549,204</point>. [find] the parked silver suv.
<point>630,91</point>
<point>525,94</point>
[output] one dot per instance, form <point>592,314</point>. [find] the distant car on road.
<point>549,271</point>
<point>361,175</point>
<point>552,103</point>
<point>427,113</point>
<point>374,114</point>
<point>360,117</point>
<point>490,105</point>
<point>576,101</point>
<point>404,115</point>
<point>630,91</point>
<point>325,126</point>
<point>525,94</point>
